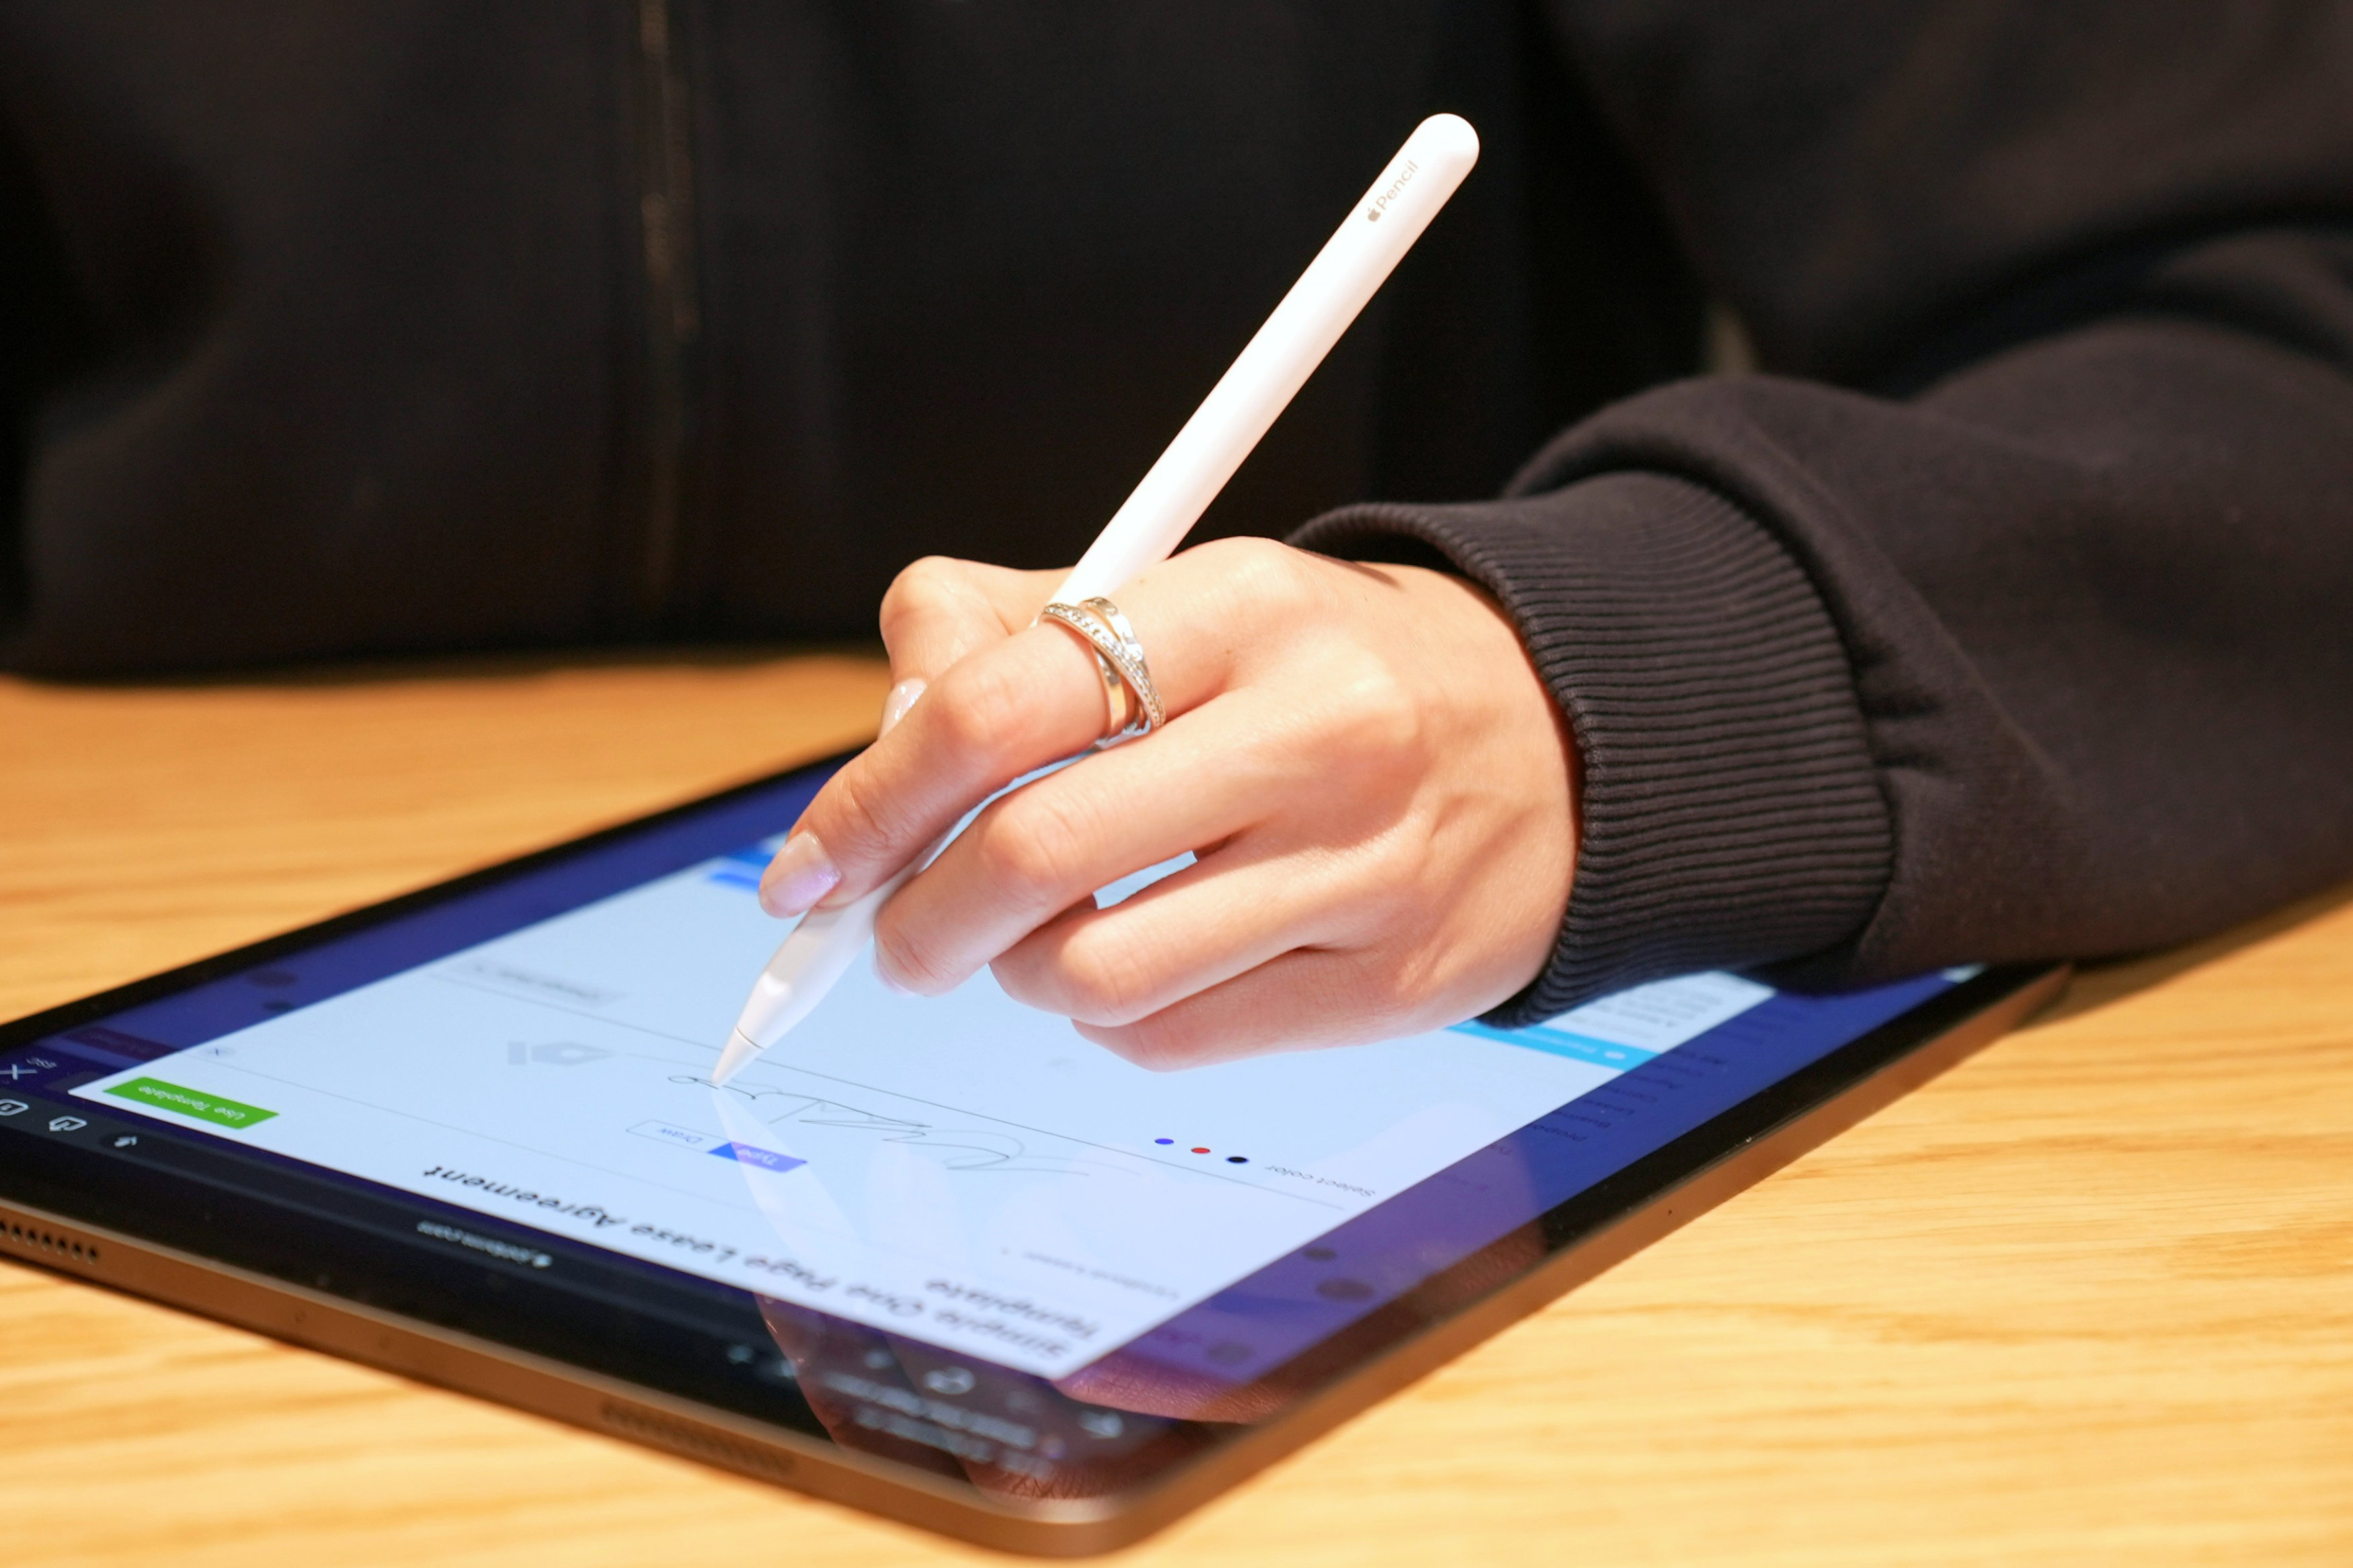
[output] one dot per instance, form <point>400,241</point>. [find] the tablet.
<point>941,1257</point>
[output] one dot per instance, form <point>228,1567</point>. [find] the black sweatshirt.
<point>2007,618</point>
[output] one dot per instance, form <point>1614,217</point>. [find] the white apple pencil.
<point>1258,387</point>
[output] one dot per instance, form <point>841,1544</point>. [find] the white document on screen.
<point>963,1171</point>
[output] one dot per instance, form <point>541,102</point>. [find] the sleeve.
<point>2014,619</point>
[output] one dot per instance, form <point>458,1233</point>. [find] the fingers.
<point>1029,700</point>
<point>1376,781</point>
<point>1307,998</point>
<point>937,613</point>
<point>1206,777</point>
<point>939,610</point>
<point>1006,710</point>
<point>1244,906</point>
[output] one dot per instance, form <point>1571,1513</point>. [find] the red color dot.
<point>1200,1151</point>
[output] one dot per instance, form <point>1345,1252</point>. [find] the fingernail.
<point>800,875</point>
<point>884,974</point>
<point>902,697</point>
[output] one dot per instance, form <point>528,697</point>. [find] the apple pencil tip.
<point>735,1058</point>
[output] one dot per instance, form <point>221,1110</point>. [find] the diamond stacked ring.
<point>1133,702</point>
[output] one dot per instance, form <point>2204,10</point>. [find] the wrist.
<point>1730,810</point>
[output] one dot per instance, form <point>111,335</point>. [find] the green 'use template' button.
<point>193,1103</point>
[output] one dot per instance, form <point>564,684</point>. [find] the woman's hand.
<point>1378,788</point>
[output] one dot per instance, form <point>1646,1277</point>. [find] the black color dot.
<point>1237,1160</point>
<point>1225,1353</point>
<point>277,1005</point>
<point>1344,1290</point>
<point>1320,1254</point>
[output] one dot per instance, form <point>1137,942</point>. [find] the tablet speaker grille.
<point>696,1442</point>
<point>48,1243</point>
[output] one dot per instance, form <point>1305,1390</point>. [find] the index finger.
<point>940,609</point>
<point>1007,709</point>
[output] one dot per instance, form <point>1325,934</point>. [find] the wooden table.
<point>2088,1298</point>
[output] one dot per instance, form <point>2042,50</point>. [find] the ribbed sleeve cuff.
<point>1732,817</point>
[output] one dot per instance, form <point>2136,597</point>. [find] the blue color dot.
<point>1164,1140</point>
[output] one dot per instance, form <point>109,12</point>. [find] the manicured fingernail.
<point>902,697</point>
<point>800,875</point>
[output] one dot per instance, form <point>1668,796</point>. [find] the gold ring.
<point>1135,701</point>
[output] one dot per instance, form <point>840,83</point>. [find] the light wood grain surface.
<point>2087,1299</point>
